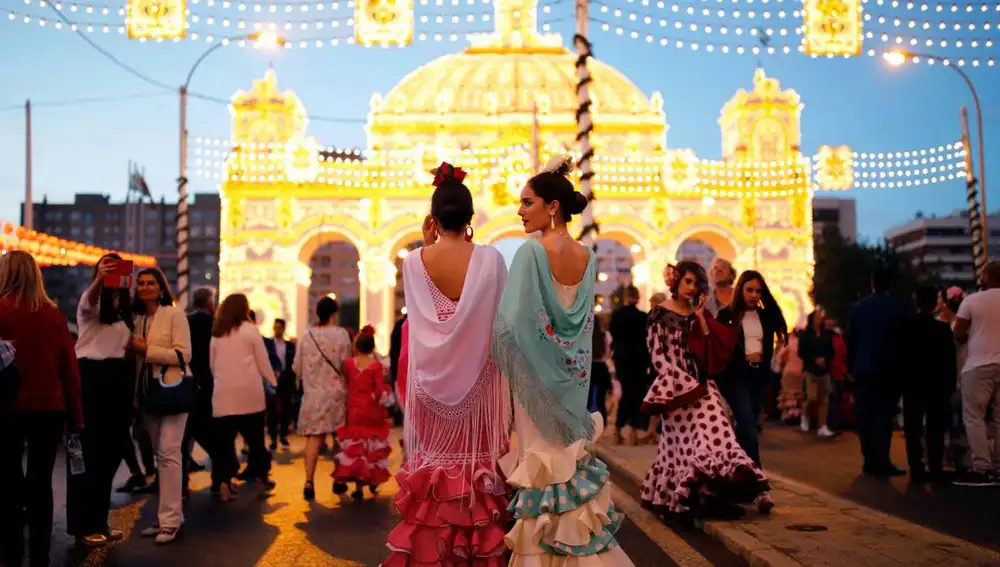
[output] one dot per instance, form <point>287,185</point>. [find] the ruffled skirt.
<point>363,455</point>
<point>447,521</point>
<point>563,510</point>
<point>700,469</point>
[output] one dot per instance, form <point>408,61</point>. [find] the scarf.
<point>543,350</point>
<point>457,405</point>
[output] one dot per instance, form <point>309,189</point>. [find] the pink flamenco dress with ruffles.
<point>363,453</point>
<point>700,470</point>
<point>453,514</point>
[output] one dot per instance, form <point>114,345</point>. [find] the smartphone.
<point>121,276</point>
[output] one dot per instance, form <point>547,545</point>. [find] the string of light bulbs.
<point>941,25</point>
<point>936,7</point>
<point>937,42</point>
<point>694,45</point>
<point>694,26</point>
<point>722,12</point>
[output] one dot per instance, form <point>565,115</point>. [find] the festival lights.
<point>51,250</point>
<point>157,19</point>
<point>832,27</point>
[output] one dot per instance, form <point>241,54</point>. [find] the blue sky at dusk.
<point>860,101</point>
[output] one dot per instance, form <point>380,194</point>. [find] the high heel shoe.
<point>309,492</point>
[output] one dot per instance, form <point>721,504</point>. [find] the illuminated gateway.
<point>283,197</point>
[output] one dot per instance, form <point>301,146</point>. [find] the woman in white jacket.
<point>240,366</point>
<point>162,343</point>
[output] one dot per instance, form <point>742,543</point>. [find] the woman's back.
<point>447,265</point>
<point>239,364</point>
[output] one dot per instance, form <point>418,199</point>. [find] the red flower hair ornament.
<point>368,330</point>
<point>670,275</point>
<point>446,172</point>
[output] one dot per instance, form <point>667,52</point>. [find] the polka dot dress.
<point>699,465</point>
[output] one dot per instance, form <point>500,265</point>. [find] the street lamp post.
<point>898,57</point>
<point>265,40</point>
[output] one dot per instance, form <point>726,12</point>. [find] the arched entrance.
<point>334,269</point>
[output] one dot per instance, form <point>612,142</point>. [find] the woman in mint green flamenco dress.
<point>542,342</point>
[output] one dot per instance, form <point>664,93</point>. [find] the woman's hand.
<point>106,266</point>
<point>699,313</point>
<point>430,231</point>
<point>755,357</point>
<point>137,344</point>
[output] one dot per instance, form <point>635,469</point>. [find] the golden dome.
<point>497,83</point>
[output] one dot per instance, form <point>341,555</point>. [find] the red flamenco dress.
<point>452,497</point>
<point>363,456</point>
<point>700,470</point>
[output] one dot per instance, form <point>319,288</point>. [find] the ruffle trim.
<point>447,520</point>
<point>364,431</point>
<point>361,471</point>
<point>586,484</point>
<point>614,557</point>
<point>701,494</point>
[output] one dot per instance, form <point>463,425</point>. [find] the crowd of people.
<point>499,441</point>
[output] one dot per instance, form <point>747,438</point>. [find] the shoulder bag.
<point>170,399</point>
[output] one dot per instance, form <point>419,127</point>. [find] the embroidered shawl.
<point>543,350</point>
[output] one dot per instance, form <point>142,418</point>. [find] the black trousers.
<point>200,428</point>
<point>875,402</point>
<point>280,408</point>
<point>937,410</point>
<point>600,385</point>
<point>634,380</point>
<point>43,432</point>
<point>107,407</point>
<point>225,464</point>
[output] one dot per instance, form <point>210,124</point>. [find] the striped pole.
<point>584,121</point>
<point>975,214</point>
<point>182,212</point>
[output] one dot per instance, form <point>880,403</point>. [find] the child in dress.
<point>363,452</point>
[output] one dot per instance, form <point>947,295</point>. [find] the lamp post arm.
<point>982,156</point>
<point>209,51</point>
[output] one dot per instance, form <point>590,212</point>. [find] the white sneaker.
<point>825,432</point>
<point>804,424</point>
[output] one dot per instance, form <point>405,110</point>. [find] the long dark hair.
<point>600,345</point>
<point>233,312</point>
<point>108,313</point>
<point>166,297</point>
<point>770,311</point>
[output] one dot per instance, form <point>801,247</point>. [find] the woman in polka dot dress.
<point>700,470</point>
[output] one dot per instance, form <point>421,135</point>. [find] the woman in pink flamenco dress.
<point>700,470</point>
<point>457,409</point>
<point>363,448</point>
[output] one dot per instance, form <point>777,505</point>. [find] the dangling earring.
<point>469,232</point>
<point>552,221</point>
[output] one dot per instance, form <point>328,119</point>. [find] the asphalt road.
<point>277,530</point>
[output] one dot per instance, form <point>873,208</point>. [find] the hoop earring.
<point>552,221</point>
<point>469,233</point>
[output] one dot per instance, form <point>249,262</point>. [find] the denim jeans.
<point>743,390</point>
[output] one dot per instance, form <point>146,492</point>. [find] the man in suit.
<point>280,404</point>
<point>874,338</point>
<point>199,423</point>
<point>631,359</point>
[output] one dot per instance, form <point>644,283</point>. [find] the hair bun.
<point>579,203</point>
<point>562,165</point>
<point>368,330</point>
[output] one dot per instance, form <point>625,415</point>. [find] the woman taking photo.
<point>700,470</point>
<point>319,364</point>
<point>758,322</point>
<point>542,341</point>
<point>162,342</point>
<point>47,401</point>
<point>240,366</point>
<point>457,407</point>
<point>103,317</point>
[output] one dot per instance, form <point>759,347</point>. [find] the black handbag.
<point>170,399</point>
<point>10,376</point>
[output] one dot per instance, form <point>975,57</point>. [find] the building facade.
<point>147,228</point>
<point>943,245</point>
<point>840,213</point>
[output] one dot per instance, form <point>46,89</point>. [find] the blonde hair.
<point>21,280</point>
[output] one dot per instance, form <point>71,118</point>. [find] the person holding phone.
<point>700,469</point>
<point>104,317</point>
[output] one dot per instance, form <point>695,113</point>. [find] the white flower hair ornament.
<point>562,165</point>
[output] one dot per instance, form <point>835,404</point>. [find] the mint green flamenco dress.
<point>563,509</point>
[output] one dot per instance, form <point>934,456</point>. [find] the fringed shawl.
<point>543,350</point>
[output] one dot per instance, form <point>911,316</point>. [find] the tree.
<point>843,273</point>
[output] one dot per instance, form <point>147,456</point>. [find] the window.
<point>75,231</point>
<point>76,215</point>
<point>195,231</point>
<point>211,230</point>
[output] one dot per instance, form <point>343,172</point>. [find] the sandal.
<point>309,491</point>
<point>167,535</point>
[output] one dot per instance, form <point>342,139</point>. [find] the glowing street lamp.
<point>266,40</point>
<point>896,58</point>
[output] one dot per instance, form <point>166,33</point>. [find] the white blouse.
<point>98,341</point>
<point>753,333</point>
<point>239,365</point>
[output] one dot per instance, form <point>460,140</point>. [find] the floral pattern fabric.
<point>324,393</point>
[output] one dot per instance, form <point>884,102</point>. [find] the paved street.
<point>834,466</point>
<point>284,530</point>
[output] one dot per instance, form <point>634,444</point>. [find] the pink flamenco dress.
<point>363,453</point>
<point>452,497</point>
<point>700,470</point>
